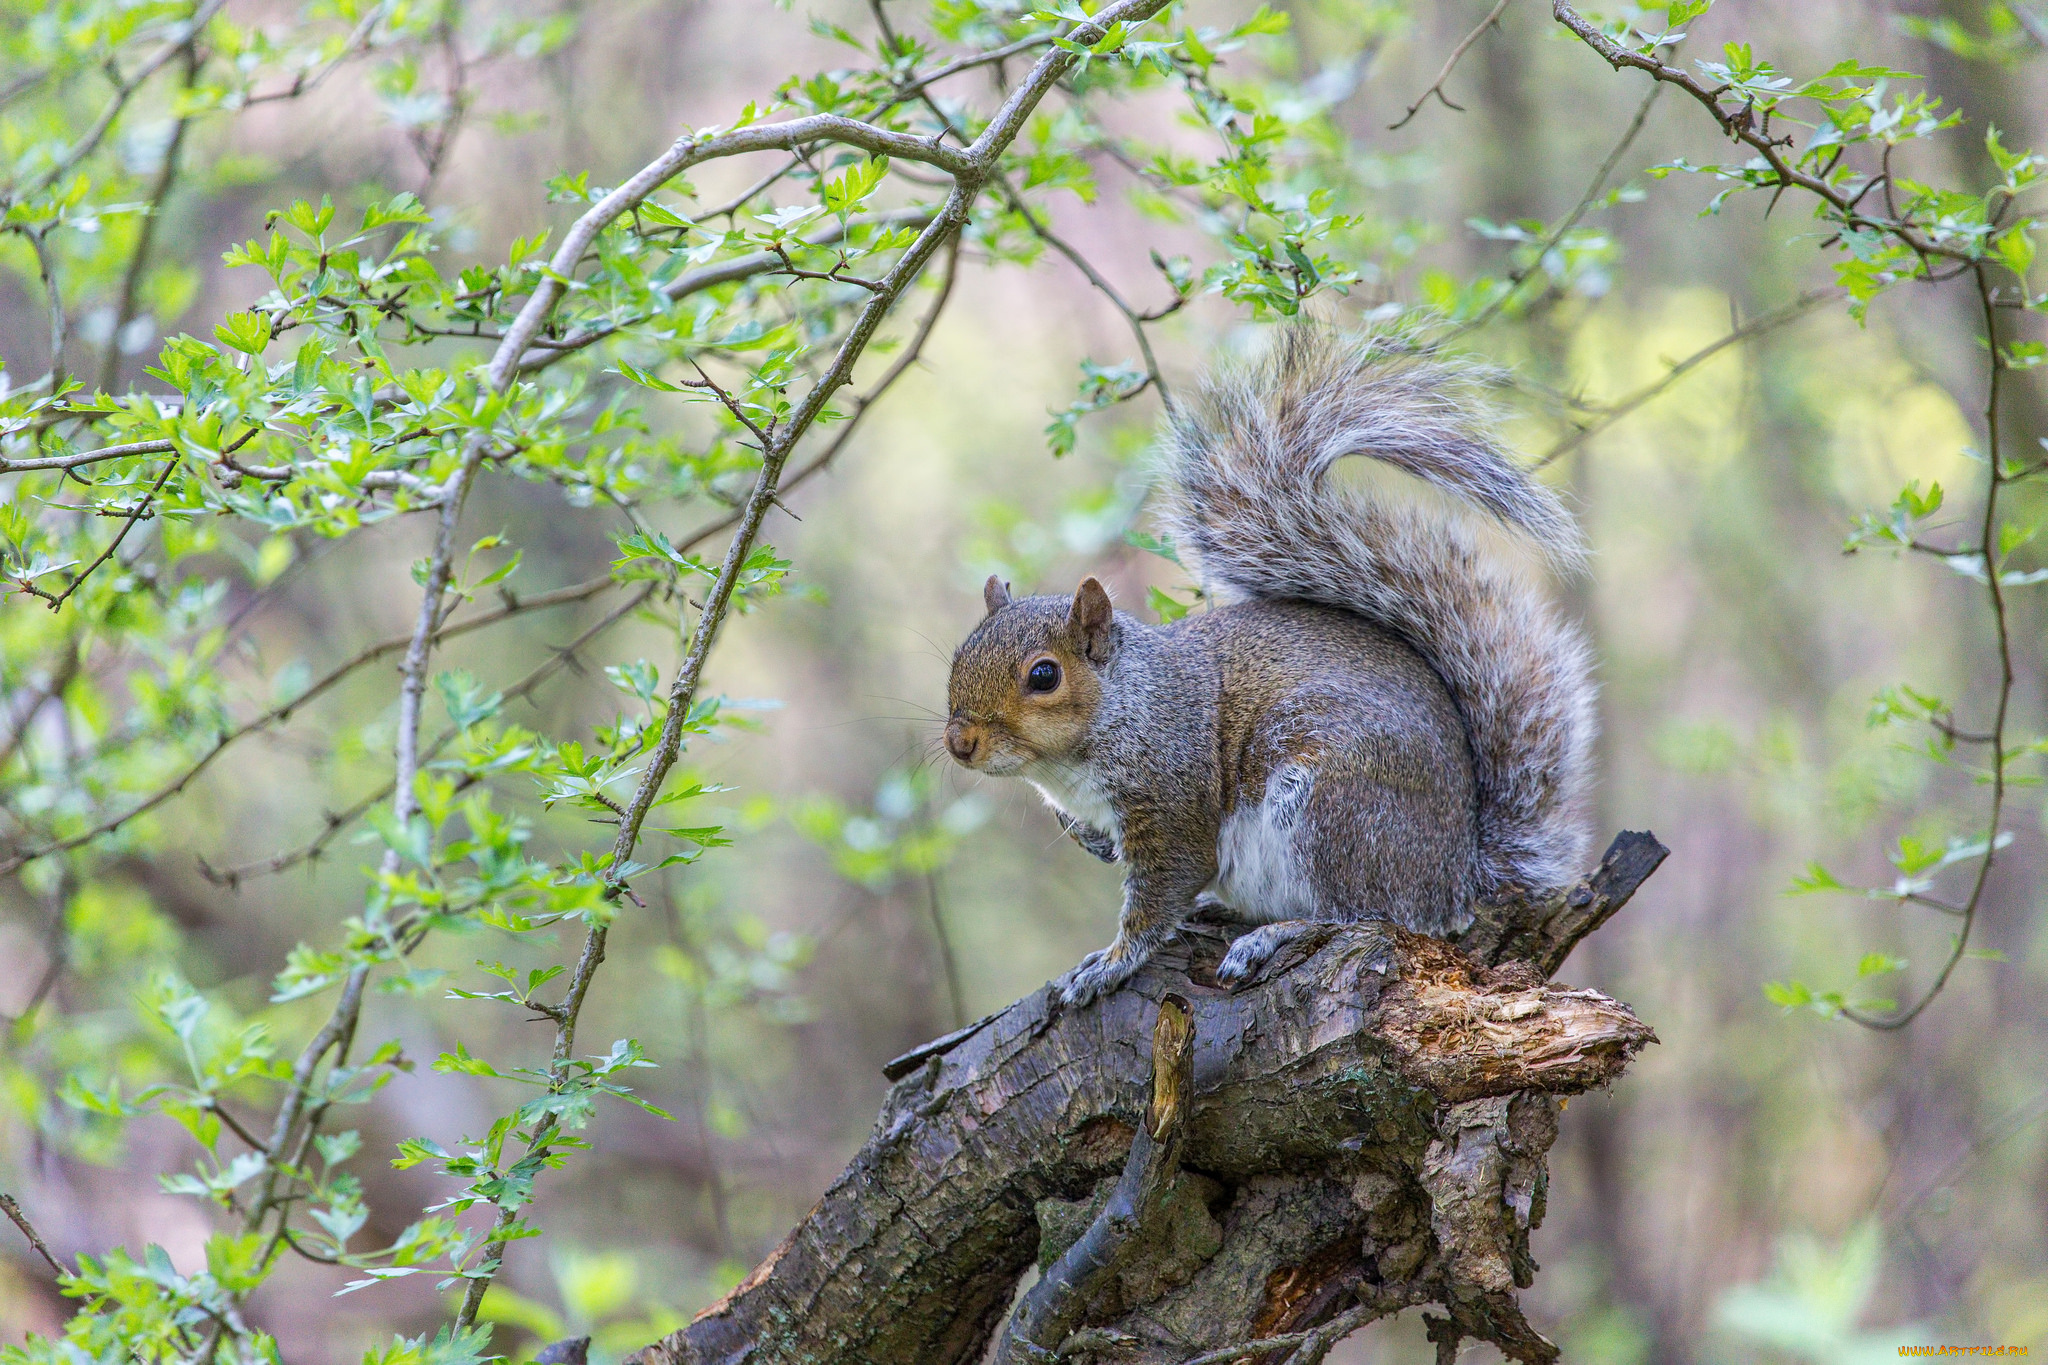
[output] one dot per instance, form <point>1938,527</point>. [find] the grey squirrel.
<point>1385,718</point>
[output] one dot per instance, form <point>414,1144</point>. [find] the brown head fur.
<point>1001,716</point>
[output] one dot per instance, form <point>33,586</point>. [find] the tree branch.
<point>515,606</point>
<point>1363,1131</point>
<point>139,512</point>
<point>1054,1306</point>
<point>1132,317</point>
<point>1739,124</point>
<point>124,90</point>
<point>337,821</point>
<point>971,169</point>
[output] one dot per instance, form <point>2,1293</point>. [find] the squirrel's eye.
<point>1043,677</point>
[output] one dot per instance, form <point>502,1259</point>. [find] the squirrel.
<point>1383,717</point>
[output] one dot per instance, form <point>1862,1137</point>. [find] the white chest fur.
<point>1077,792</point>
<point>1260,872</point>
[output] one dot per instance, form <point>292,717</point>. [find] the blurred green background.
<point>1763,1185</point>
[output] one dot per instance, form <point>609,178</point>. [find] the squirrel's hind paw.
<point>1099,973</point>
<point>1251,952</point>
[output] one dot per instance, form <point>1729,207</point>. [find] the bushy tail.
<point>1249,457</point>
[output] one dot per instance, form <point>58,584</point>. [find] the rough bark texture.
<point>1360,1131</point>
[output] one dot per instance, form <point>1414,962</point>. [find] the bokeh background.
<point>1760,1180</point>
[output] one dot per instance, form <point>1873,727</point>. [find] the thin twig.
<point>1740,124</point>
<point>575,592</point>
<point>140,511</point>
<point>1995,598</point>
<point>145,236</point>
<point>1550,244</point>
<point>56,951</point>
<point>23,706</point>
<point>358,43</point>
<point>336,821</point>
<point>1314,1343</point>
<point>87,457</point>
<point>117,452</point>
<point>1135,320</point>
<point>2035,25</point>
<point>993,56</point>
<point>124,90</point>
<point>22,84</point>
<point>20,1219</point>
<point>45,264</point>
<point>944,941</point>
<point>1756,326</point>
<point>1436,87</point>
<point>546,353</point>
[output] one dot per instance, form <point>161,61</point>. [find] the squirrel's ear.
<point>1092,619</point>
<point>995,594</point>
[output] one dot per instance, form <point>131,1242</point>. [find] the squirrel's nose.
<point>962,740</point>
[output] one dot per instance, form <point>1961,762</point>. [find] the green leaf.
<point>1816,878</point>
<point>413,1151</point>
<point>1791,995</point>
<point>246,332</point>
<point>648,381</point>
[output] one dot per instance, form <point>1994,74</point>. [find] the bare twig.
<point>145,237</point>
<point>359,41</point>
<point>87,457</point>
<point>1436,87</point>
<point>56,950</point>
<point>54,293</point>
<point>1132,317</point>
<point>1313,1345</point>
<point>137,513</point>
<point>115,452</point>
<point>22,84</point>
<point>432,147</point>
<point>1757,326</point>
<point>22,707</point>
<point>14,1213</point>
<point>2035,24</point>
<point>993,56</point>
<point>944,942</point>
<point>1550,243</point>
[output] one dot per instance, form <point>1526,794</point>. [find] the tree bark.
<point>1360,1131</point>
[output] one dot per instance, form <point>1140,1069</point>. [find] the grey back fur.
<point>1248,458</point>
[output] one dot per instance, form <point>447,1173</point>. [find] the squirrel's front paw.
<point>1101,972</point>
